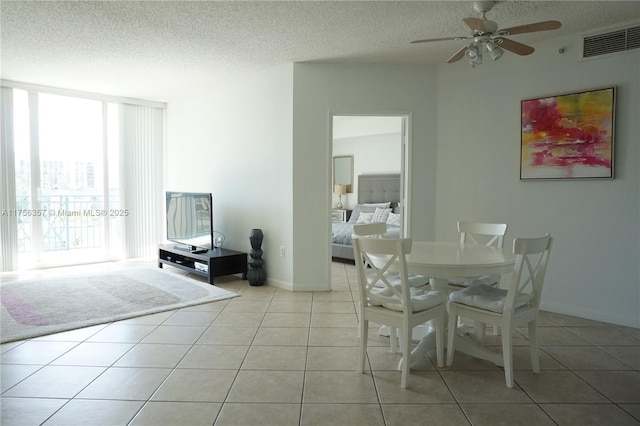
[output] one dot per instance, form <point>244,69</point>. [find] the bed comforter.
<point>341,233</point>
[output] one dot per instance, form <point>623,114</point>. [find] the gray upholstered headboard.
<point>379,188</point>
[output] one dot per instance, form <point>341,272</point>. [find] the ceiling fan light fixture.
<point>472,53</point>
<point>495,52</point>
<point>476,61</point>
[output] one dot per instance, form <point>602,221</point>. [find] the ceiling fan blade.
<point>531,28</point>
<point>458,55</point>
<point>476,24</point>
<point>428,40</point>
<point>514,46</point>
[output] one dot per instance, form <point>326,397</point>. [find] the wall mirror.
<point>343,171</point>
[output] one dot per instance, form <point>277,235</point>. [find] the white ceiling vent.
<point>611,42</point>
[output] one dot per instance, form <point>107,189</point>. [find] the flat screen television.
<point>190,220</point>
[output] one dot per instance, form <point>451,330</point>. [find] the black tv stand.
<point>212,263</point>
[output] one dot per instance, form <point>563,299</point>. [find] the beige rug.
<point>34,308</point>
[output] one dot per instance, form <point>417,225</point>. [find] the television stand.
<point>212,263</point>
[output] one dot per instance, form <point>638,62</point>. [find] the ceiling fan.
<point>485,35</point>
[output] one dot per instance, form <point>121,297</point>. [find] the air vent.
<point>612,42</point>
<point>633,38</point>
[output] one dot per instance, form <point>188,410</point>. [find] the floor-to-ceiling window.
<point>62,184</point>
<point>62,194</point>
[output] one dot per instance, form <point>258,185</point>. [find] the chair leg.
<point>406,354</point>
<point>533,346</point>
<point>440,322</point>
<point>453,326</point>
<point>364,334</point>
<point>393,340</point>
<point>479,332</point>
<point>507,355</point>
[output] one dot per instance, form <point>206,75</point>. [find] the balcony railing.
<point>68,222</point>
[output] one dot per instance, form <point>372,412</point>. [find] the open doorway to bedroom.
<point>364,146</point>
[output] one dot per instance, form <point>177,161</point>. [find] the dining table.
<point>441,261</point>
<point>444,260</point>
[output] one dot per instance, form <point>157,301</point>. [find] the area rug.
<point>34,308</point>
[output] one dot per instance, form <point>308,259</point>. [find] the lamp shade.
<point>339,189</point>
<point>472,52</point>
<point>494,51</point>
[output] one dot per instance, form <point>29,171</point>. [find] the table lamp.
<point>340,190</point>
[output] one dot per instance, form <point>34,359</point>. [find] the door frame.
<point>405,164</point>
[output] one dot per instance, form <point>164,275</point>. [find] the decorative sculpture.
<point>256,274</point>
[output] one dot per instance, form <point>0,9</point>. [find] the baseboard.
<point>590,314</point>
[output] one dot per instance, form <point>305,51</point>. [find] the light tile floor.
<point>273,357</point>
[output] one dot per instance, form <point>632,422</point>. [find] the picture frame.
<point>568,136</point>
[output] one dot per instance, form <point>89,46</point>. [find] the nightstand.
<point>340,215</point>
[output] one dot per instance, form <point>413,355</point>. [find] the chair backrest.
<point>532,256</point>
<point>482,233</point>
<point>374,258</point>
<point>370,229</point>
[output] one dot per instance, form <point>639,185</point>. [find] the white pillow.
<point>381,205</point>
<point>365,218</point>
<point>380,215</point>
<point>366,208</point>
<point>393,219</point>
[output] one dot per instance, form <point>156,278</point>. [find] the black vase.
<point>256,274</point>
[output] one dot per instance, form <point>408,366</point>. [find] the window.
<point>64,202</point>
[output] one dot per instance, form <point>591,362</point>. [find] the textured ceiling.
<point>155,49</point>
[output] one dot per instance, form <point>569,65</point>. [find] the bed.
<point>378,201</point>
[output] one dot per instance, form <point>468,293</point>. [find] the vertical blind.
<point>142,136</point>
<point>8,227</point>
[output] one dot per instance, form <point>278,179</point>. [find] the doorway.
<point>375,144</point>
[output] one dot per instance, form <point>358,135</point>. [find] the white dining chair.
<point>488,234</point>
<point>480,233</point>
<point>395,304</point>
<point>377,230</point>
<point>508,308</point>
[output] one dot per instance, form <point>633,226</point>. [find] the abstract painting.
<point>568,136</point>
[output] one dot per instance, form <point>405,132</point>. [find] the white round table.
<point>447,260</point>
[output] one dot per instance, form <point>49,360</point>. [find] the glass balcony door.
<point>66,157</point>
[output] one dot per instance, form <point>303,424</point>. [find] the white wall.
<point>234,140</point>
<point>594,265</point>
<point>351,126</point>
<point>322,90</point>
